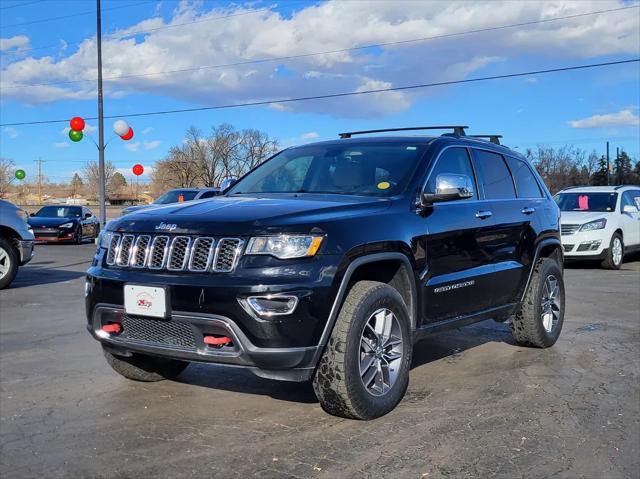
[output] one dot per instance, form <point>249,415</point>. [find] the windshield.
<point>586,201</point>
<point>176,196</point>
<point>59,212</point>
<point>380,169</point>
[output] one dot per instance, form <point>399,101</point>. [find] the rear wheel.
<point>615,254</point>
<point>8,262</point>
<point>364,371</point>
<point>77,237</point>
<point>140,367</point>
<point>539,321</point>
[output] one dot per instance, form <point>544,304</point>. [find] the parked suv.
<point>329,261</point>
<point>177,195</point>
<point>16,241</point>
<point>600,222</point>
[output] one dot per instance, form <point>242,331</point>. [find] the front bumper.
<point>53,235</point>
<point>25,250</point>
<point>586,245</point>
<point>289,364</point>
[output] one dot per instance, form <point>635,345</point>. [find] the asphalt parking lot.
<point>477,404</point>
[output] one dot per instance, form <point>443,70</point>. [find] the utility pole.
<point>608,165</point>
<point>103,209</point>
<point>40,161</point>
<point>618,169</point>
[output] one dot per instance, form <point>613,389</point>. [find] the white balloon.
<point>121,127</point>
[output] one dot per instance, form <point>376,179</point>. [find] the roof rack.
<point>457,130</point>
<point>492,138</point>
<point>622,186</point>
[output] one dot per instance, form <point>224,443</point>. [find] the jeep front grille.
<point>177,253</point>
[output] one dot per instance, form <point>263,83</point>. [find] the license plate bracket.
<point>141,300</point>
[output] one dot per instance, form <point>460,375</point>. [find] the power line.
<point>339,95</point>
<point>21,4</point>
<point>328,52</point>
<point>138,32</point>
<point>79,14</point>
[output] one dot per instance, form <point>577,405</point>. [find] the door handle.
<point>484,214</point>
<point>528,210</point>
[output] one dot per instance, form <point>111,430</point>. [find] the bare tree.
<point>6,175</point>
<point>91,173</point>
<point>256,148</point>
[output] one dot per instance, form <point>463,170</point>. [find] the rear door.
<point>630,221</point>
<point>514,217</point>
<point>458,237</point>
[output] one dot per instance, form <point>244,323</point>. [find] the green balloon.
<point>20,174</point>
<point>75,135</point>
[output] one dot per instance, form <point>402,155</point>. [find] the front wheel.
<point>615,254</point>
<point>364,371</point>
<point>539,320</point>
<point>140,367</point>
<point>8,262</point>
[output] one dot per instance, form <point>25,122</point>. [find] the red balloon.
<point>138,169</point>
<point>128,135</point>
<point>76,123</point>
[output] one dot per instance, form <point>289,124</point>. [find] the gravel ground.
<point>477,404</point>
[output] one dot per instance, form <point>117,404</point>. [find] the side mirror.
<point>449,186</point>
<point>227,183</point>
<point>629,209</point>
<point>88,215</point>
<point>32,214</point>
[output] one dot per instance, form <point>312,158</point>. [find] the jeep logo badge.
<point>166,227</point>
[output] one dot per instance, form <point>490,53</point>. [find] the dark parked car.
<point>329,261</point>
<point>16,241</point>
<point>64,223</point>
<point>178,195</point>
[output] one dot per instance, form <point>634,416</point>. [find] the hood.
<point>131,209</point>
<point>244,215</point>
<point>37,222</point>
<point>582,217</point>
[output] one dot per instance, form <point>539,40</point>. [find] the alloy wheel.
<point>381,352</point>
<point>551,303</point>
<point>616,251</point>
<point>5,263</point>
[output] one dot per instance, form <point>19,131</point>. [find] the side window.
<point>495,176</point>
<point>452,160</point>
<point>526,183</point>
<point>208,194</point>
<point>632,198</point>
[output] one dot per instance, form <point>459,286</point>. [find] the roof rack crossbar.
<point>492,138</point>
<point>457,130</point>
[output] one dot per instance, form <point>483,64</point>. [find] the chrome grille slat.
<point>201,254</point>
<point>124,250</point>
<point>140,251</point>
<point>158,252</point>
<point>568,229</point>
<point>227,254</point>
<point>178,253</point>
<point>197,254</point>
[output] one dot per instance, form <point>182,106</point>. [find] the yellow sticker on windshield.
<point>383,185</point>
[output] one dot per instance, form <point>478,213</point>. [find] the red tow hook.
<point>217,340</point>
<point>112,328</point>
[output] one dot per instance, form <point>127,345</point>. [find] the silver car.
<point>16,241</point>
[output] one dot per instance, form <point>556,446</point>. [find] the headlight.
<point>66,225</point>
<point>594,225</point>
<point>104,239</point>
<point>285,246</point>
<point>23,214</point>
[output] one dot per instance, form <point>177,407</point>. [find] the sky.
<point>169,54</point>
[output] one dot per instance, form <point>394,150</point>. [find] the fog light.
<point>273,305</point>
<point>589,245</point>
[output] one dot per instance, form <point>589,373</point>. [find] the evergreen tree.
<point>76,184</point>
<point>624,172</point>
<point>117,183</point>
<point>599,176</point>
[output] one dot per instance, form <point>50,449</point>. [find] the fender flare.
<point>342,290</point>
<point>542,244</point>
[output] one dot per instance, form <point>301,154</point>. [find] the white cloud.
<point>11,132</point>
<point>331,25</point>
<point>151,145</point>
<point>621,118</point>
<point>147,130</point>
<point>135,146</point>
<point>61,144</point>
<point>17,42</point>
<point>310,136</point>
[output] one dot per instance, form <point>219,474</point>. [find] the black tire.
<point>609,261</point>
<point>97,232</point>
<point>77,237</point>
<point>141,367</point>
<point>337,382</point>
<point>9,258</point>
<point>527,325</point>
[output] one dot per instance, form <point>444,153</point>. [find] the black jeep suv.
<point>329,261</point>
